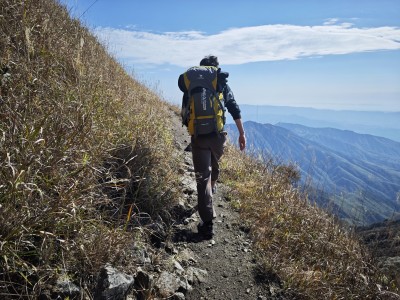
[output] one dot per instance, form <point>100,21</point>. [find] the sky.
<point>331,54</point>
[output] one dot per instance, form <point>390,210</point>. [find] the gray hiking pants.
<point>207,151</point>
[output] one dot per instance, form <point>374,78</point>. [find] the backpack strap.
<point>222,107</point>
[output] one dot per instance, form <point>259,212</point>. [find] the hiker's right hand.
<point>242,142</point>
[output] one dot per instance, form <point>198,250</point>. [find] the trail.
<point>231,264</point>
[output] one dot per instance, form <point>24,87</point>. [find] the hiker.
<point>205,96</point>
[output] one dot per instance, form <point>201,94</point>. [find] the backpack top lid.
<point>201,76</point>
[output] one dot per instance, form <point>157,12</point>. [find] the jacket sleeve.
<point>230,103</point>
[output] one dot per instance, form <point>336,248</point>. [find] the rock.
<point>169,283</point>
<point>195,275</point>
<point>182,211</point>
<point>158,233</point>
<point>66,285</point>
<point>185,257</point>
<point>112,284</point>
<point>178,296</point>
<point>189,185</point>
<point>64,288</point>
<point>178,268</point>
<point>141,255</point>
<point>212,243</point>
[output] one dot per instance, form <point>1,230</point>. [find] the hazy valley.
<point>385,124</point>
<point>357,176</point>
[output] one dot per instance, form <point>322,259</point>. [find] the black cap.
<point>209,60</point>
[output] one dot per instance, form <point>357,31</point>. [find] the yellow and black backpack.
<point>204,112</point>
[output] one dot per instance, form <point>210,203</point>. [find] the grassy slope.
<point>84,148</point>
<point>81,143</point>
<point>307,249</point>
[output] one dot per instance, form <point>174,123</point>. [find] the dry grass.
<point>307,248</point>
<point>81,143</point>
<point>85,149</point>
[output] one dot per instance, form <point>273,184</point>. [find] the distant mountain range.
<point>356,175</point>
<point>385,124</point>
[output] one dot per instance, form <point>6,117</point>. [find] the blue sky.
<point>341,54</point>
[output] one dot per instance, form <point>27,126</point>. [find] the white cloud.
<point>331,21</point>
<point>247,44</point>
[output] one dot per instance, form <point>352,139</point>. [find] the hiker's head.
<point>210,60</point>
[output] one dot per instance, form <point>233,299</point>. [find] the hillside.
<point>364,168</point>
<point>81,158</point>
<point>97,195</point>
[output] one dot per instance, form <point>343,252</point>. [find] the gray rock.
<point>169,283</point>
<point>186,257</point>
<point>178,296</point>
<point>195,275</point>
<point>189,185</point>
<point>178,268</point>
<point>68,288</point>
<point>112,284</point>
<point>64,288</point>
<point>141,256</point>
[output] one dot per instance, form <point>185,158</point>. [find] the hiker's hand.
<point>242,142</point>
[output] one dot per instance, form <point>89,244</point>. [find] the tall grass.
<point>81,143</point>
<point>310,251</point>
<point>85,150</point>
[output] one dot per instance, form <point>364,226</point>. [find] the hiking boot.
<point>205,229</point>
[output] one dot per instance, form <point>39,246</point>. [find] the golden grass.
<point>310,251</point>
<point>81,143</point>
<point>85,149</point>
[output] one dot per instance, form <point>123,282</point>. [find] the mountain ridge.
<point>338,164</point>
<point>385,124</point>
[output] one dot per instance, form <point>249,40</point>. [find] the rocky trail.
<point>179,264</point>
<point>226,266</point>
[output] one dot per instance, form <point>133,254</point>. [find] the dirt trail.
<point>233,271</point>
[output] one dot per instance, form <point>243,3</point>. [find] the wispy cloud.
<point>247,44</point>
<point>331,21</point>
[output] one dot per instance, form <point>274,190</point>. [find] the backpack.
<point>204,112</point>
